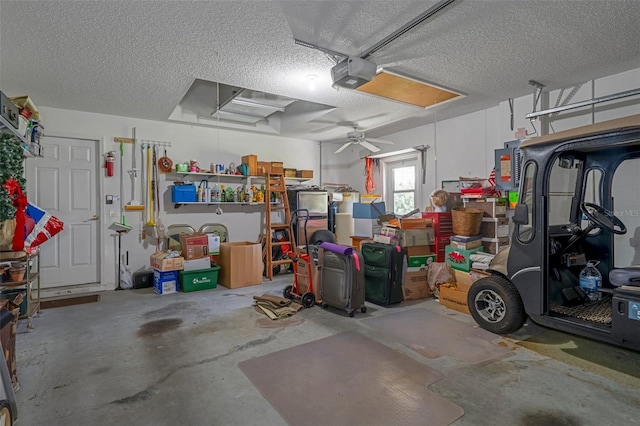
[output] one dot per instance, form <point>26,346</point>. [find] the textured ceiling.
<point>139,58</point>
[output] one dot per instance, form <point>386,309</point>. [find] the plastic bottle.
<point>215,194</point>
<point>591,280</point>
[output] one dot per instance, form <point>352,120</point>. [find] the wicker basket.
<point>467,221</point>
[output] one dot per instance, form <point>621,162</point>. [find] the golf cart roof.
<point>632,121</point>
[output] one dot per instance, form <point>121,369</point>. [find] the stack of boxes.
<point>415,284</point>
<point>190,272</point>
<point>365,219</point>
<point>495,223</point>
<point>413,236</point>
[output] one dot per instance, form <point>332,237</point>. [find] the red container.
<point>442,223</point>
<point>439,246</point>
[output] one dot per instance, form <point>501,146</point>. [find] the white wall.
<point>464,146</point>
<point>187,142</point>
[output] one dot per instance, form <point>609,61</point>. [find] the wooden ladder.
<point>276,188</point>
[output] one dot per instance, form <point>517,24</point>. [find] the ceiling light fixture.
<point>312,79</point>
<point>253,104</point>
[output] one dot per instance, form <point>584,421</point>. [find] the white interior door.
<point>63,182</point>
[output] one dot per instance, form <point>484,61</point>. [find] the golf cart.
<point>579,194</point>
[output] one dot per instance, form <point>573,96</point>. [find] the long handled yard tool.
<point>159,225</point>
<point>151,225</point>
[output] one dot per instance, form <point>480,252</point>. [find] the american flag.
<point>492,177</point>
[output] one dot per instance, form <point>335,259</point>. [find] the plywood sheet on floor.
<point>434,335</point>
<point>349,379</point>
<point>68,301</point>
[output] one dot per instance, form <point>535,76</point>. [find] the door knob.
<point>94,217</point>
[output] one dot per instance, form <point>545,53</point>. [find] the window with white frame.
<point>401,184</point>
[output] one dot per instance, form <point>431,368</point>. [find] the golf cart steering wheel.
<point>602,218</point>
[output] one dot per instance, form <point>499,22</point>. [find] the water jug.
<point>591,280</point>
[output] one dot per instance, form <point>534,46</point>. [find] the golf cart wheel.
<point>363,310</point>
<point>325,306</point>
<point>308,300</point>
<point>287,292</point>
<point>5,414</point>
<point>495,304</point>
<point>352,313</point>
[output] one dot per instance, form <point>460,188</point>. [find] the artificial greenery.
<point>11,167</point>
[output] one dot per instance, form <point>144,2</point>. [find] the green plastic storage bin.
<point>200,279</point>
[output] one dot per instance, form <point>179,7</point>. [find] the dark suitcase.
<point>384,267</point>
<point>342,279</point>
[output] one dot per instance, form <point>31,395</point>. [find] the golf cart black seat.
<point>629,275</point>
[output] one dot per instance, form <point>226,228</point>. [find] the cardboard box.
<point>459,258</point>
<point>214,244</point>
<point>370,198</point>
<point>390,231</point>
<point>386,239</point>
<point>463,280</point>
<point>307,174</point>
<point>251,161</point>
<point>415,286</point>
<point>195,264</point>
<point>290,172</point>
<point>418,258</point>
<point>277,167</point>
<point>240,264</point>
<point>453,299</point>
<point>194,246</point>
<point>264,168</point>
<point>416,237</point>
<point>165,282</point>
<point>413,223</point>
<point>466,242</point>
<point>160,261</point>
<point>476,274</point>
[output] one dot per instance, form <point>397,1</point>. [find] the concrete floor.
<point>137,358</point>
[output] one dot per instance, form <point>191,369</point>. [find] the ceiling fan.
<point>358,138</point>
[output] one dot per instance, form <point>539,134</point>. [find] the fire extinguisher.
<point>109,163</point>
